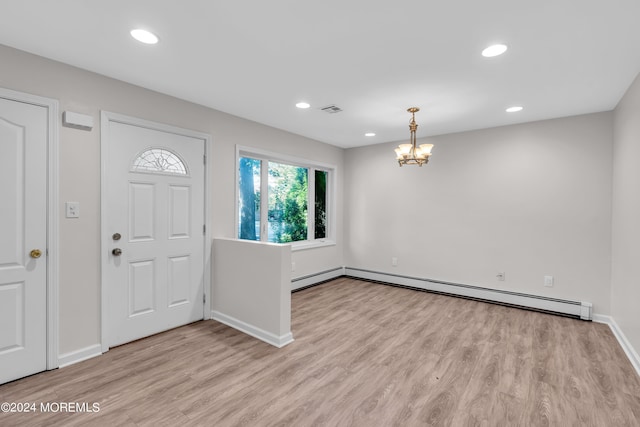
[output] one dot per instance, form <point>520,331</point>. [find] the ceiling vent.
<point>331,109</point>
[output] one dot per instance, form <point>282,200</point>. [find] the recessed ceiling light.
<point>369,134</point>
<point>494,50</point>
<point>303,105</point>
<point>514,109</point>
<point>144,36</point>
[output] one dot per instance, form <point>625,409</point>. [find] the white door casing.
<point>28,232</point>
<point>154,197</point>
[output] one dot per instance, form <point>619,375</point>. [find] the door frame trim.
<point>52,106</point>
<point>106,117</point>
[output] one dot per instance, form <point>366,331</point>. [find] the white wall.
<point>255,300</point>
<point>625,277</point>
<point>529,200</point>
<point>88,93</point>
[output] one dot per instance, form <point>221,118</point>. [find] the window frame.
<point>267,156</point>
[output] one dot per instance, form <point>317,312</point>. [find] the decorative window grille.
<point>159,160</point>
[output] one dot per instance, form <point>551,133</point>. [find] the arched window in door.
<point>159,160</point>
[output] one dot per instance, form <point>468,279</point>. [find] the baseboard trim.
<point>304,282</point>
<point>628,349</point>
<point>577,309</point>
<point>81,355</point>
<point>601,318</point>
<point>254,331</point>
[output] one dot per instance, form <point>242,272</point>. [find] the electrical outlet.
<point>394,261</point>
<point>293,266</point>
<point>500,276</point>
<point>548,281</point>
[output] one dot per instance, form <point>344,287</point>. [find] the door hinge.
<point>204,299</point>
<point>204,159</point>
<point>204,228</point>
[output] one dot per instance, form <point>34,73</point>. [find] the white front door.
<point>155,230</point>
<point>23,239</point>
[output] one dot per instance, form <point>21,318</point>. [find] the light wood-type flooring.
<point>364,354</point>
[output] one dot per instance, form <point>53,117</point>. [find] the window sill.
<point>301,246</point>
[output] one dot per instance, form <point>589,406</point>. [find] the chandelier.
<point>409,154</point>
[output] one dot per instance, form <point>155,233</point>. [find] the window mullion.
<point>329,205</point>
<point>264,200</point>
<point>311,203</point>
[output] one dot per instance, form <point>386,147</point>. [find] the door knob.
<point>36,253</point>
<point>117,252</point>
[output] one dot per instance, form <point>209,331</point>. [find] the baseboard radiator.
<point>304,282</point>
<point>577,309</point>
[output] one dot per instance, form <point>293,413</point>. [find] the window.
<point>283,200</point>
<point>288,202</point>
<point>159,160</point>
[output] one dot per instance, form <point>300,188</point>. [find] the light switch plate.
<point>72,209</point>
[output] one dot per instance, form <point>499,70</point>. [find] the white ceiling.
<point>372,58</point>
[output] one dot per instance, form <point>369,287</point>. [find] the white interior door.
<point>155,226</point>
<point>23,239</point>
